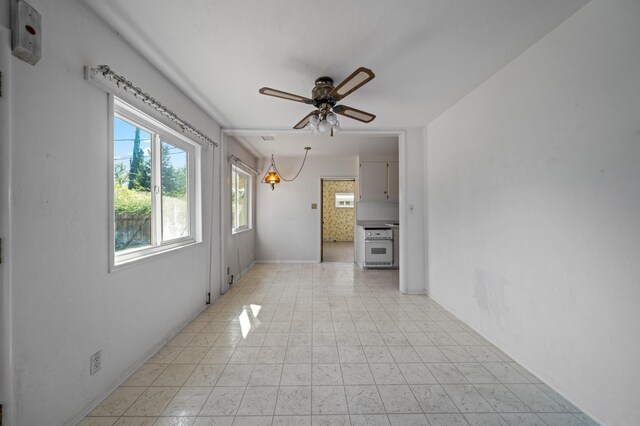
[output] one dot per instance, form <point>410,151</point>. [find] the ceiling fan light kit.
<point>324,97</point>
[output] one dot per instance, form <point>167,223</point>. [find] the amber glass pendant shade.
<point>271,178</point>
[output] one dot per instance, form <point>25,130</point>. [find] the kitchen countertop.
<point>375,222</point>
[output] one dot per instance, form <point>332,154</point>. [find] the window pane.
<point>175,203</point>
<point>242,200</point>
<point>345,199</point>
<point>233,200</point>
<point>131,185</point>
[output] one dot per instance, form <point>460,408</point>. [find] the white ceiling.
<point>426,54</point>
<point>291,144</point>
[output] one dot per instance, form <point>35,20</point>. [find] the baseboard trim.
<point>525,364</point>
<point>287,261</point>
<point>133,368</point>
<point>251,265</point>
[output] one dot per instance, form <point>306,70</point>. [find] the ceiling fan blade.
<point>284,95</point>
<point>303,123</point>
<point>356,114</point>
<point>356,80</point>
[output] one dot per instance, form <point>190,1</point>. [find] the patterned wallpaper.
<point>338,222</point>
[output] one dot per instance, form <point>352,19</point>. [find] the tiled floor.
<point>330,344</point>
<point>338,251</point>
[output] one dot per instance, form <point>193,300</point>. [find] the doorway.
<point>337,219</point>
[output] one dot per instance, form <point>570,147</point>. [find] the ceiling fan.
<point>324,97</point>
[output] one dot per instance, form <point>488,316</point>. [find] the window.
<point>344,199</point>
<point>240,200</point>
<point>155,186</point>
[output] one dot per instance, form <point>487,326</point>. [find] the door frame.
<point>404,206</point>
<point>354,179</point>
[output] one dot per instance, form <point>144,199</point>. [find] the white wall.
<point>240,252</point>
<point>534,209</point>
<point>412,213</point>
<point>66,306</point>
<point>377,210</point>
<point>5,222</point>
<point>287,228</point>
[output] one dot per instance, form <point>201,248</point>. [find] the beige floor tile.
<point>166,355</point>
<point>266,375</point>
<point>188,401</point>
<point>296,375</point>
<point>328,400</point>
<point>205,375</point>
<point>330,344</point>
<point>204,339</point>
<point>174,375</point>
<point>152,402</point>
<point>182,339</point>
<point>145,375</point>
<point>118,402</point>
<point>191,355</point>
<point>136,421</point>
<point>213,421</point>
<point>175,421</point>
<point>258,401</point>
<point>98,421</point>
<point>223,401</point>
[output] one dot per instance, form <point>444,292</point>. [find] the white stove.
<point>378,247</point>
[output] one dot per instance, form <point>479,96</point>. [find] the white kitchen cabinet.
<point>379,181</point>
<point>393,181</point>
<point>373,180</point>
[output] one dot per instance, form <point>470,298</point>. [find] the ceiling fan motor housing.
<point>320,93</point>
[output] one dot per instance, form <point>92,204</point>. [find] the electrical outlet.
<point>95,362</point>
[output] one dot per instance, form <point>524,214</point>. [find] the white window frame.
<point>160,132</point>
<point>248,198</point>
<point>347,197</point>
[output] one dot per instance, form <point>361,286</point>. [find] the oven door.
<point>378,253</point>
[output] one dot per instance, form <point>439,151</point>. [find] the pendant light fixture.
<point>273,176</point>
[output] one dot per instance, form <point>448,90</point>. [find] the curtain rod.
<point>232,157</point>
<point>121,82</point>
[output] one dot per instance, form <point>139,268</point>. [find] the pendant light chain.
<point>273,162</point>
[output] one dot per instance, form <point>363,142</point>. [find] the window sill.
<point>146,255</point>
<point>240,231</point>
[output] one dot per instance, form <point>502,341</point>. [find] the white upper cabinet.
<point>379,180</point>
<point>393,181</point>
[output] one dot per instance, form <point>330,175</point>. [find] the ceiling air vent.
<point>268,138</point>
